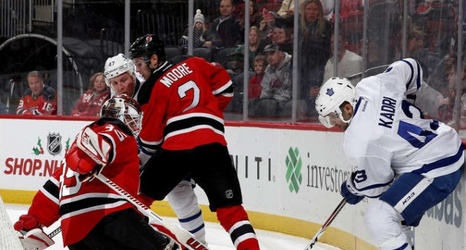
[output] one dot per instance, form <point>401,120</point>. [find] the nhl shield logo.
<point>54,143</point>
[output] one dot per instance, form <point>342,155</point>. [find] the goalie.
<point>93,216</point>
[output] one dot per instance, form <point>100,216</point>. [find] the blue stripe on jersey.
<point>418,79</point>
<point>441,163</point>
<point>356,108</point>
<point>373,187</point>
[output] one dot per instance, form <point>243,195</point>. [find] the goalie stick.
<point>183,236</point>
<point>326,224</point>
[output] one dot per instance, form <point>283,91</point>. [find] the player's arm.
<point>44,211</point>
<point>372,177</point>
<point>89,153</point>
<point>151,136</point>
<point>221,85</point>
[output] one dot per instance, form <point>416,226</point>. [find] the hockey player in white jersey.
<point>404,161</point>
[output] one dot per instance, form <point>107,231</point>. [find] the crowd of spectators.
<point>430,39</point>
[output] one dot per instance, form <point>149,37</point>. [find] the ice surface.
<point>216,237</point>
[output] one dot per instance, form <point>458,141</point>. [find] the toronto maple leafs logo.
<point>330,92</point>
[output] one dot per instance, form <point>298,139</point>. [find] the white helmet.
<point>332,95</point>
<point>117,65</point>
<point>125,109</point>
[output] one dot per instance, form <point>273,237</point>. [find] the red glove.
<point>79,161</point>
<point>26,222</point>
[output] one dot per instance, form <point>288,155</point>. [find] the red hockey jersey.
<point>90,103</point>
<point>44,104</point>
<point>81,205</point>
<point>185,107</point>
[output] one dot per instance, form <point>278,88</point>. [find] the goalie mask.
<point>117,65</point>
<point>332,95</point>
<point>125,109</point>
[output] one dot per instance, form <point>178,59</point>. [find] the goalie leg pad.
<point>36,239</point>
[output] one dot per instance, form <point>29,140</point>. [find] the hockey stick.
<point>326,224</point>
<point>55,232</point>
<point>369,72</point>
<point>183,236</point>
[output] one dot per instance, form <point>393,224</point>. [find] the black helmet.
<point>146,46</point>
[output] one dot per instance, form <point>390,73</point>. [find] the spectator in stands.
<point>417,50</point>
<point>349,63</point>
<point>227,26</point>
<point>275,97</point>
<point>287,8</point>
<point>266,25</point>
<point>92,100</point>
<point>39,99</point>
<point>254,48</point>
<point>260,63</point>
<point>282,35</point>
<point>314,51</point>
<point>202,37</point>
<point>10,93</point>
<point>255,16</point>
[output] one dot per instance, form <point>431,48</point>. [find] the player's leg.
<point>125,229</point>
<point>214,172</point>
<point>161,173</point>
<point>404,204</point>
<point>183,200</point>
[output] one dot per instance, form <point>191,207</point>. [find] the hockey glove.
<point>349,197</point>
<point>36,239</point>
<point>26,222</point>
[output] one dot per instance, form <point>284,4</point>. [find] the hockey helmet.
<point>117,65</point>
<point>125,109</point>
<point>146,46</point>
<point>332,95</point>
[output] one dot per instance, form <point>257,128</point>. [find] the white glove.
<point>36,239</point>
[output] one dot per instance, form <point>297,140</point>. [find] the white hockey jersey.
<point>388,135</point>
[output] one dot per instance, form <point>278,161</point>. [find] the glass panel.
<point>369,36</point>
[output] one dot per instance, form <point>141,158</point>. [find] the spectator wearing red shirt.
<point>260,63</point>
<point>39,99</point>
<point>92,100</point>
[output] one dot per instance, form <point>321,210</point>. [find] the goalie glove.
<point>25,223</point>
<point>88,155</point>
<point>36,239</point>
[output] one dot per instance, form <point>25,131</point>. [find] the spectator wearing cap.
<point>275,97</point>
<point>314,51</point>
<point>202,37</point>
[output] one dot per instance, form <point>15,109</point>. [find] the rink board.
<point>290,178</point>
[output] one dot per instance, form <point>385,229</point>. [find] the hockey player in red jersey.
<point>183,129</point>
<point>120,75</point>
<point>94,216</point>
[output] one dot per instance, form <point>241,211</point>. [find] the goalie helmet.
<point>125,109</point>
<point>146,46</point>
<point>117,65</point>
<point>332,95</point>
